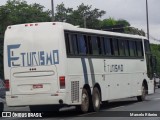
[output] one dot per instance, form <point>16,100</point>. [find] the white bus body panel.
<point>31,58</point>
<point>114,85</point>
<point>47,40</point>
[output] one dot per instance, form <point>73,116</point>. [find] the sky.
<point>134,11</point>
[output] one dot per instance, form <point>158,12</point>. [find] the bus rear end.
<point>31,63</point>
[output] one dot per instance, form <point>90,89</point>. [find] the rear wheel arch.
<point>144,91</point>
<point>87,87</point>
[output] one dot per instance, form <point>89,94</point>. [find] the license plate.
<point>37,86</point>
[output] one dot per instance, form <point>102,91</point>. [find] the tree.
<point>123,22</point>
<point>108,22</point>
<point>134,31</point>
<point>120,25</point>
<point>18,12</point>
<point>83,14</point>
<point>62,12</point>
<point>156,52</point>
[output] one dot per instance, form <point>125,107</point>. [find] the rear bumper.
<point>37,99</point>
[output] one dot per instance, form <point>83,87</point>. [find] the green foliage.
<point>108,22</point>
<point>85,16</point>
<point>83,13</point>
<point>156,52</point>
<point>134,31</point>
<point>123,22</point>
<point>62,12</point>
<point>18,12</point>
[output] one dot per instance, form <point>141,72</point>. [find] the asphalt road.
<point>121,108</point>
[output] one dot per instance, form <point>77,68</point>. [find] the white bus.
<point>59,64</point>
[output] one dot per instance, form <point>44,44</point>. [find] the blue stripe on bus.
<point>85,73</point>
<point>92,71</point>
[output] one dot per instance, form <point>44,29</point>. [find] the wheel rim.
<point>96,98</point>
<point>143,92</point>
<point>85,102</point>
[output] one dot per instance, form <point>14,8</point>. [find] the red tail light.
<point>62,82</point>
<point>7,85</point>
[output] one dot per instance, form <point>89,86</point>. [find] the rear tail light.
<point>62,82</point>
<point>7,85</point>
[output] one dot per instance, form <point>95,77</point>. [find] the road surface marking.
<point>116,107</point>
<point>156,99</point>
<point>86,114</point>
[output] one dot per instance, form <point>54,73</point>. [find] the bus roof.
<point>70,27</point>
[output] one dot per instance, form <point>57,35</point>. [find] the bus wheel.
<point>1,107</point>
<point>96,99</point>
<point>85,101</point>
<point>143,96</point>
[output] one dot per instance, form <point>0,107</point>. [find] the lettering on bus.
<point>31,58</point>
<point>115,68</point>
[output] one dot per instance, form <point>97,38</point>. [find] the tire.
<point>143,96</point>
<point>1,107</point>
<point>96,99</point>
<point>154,86</point>
<point>85,105</point>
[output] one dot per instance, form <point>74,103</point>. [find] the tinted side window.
<point>135,48</point>
<point>82,46</point>
<point>94,42</point>
<point>139,48</point>
<point>121,44</point>
<point>126,46</point>
<point>101,45</point>
<point>71,41</point>
<point>89,44</point>
<point>107,45</point>
<point>67,42</point>
<point>132,48</point>
<point>74,43</point>
<point>115,47</point>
